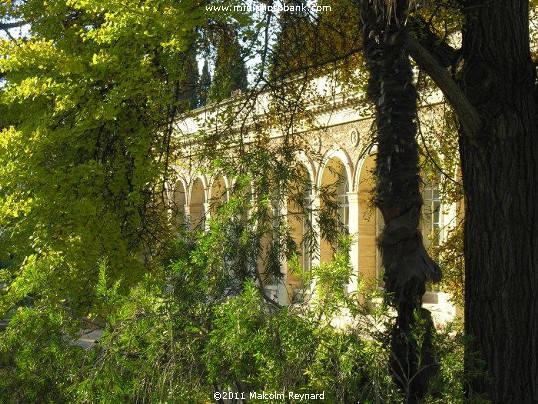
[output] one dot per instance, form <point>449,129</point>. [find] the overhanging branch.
<point>465,111</point>
<point>10,25</point>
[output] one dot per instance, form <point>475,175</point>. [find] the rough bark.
<point>406,262</point>
<point>500,173</point>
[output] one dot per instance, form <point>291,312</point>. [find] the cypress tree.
<point>204,85</point>
<point>291,50</point>
<point>230,69</point>
<point>188,86</point>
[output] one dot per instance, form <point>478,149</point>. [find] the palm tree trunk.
<point>406,262</point>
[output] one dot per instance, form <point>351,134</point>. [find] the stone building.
<point>338,152</point>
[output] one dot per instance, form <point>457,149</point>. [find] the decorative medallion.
<point>354,137</point>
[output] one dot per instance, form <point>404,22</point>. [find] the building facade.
<point>339,154</point>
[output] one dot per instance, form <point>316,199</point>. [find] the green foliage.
<point>316,42</point>
<point>141,353</point>
<point>452,260</point>
<point>87,101</point>
<point>188,87</point>
<point>181,334</point>
<point>37,359</point>
<point>204,85</point>
<point>88,98</point>
<point>230,70</point>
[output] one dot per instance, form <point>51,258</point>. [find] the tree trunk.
<point>500,173</point>
<point>406,262</point>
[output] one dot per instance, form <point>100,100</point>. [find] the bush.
<point>177,337</point>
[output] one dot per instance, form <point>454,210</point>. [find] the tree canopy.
<point>89,96</point>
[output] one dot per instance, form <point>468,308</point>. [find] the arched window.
<point>197,206</point>
<point>300,216</point>
<point>431,216</point>
<point>334,206</point>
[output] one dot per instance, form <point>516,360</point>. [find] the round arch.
<point>218,192</point>
<point>334,179</point>
<point>178,200</point>
<point>340,155</point>
<point>299,215</point>
<point>197,201</point>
